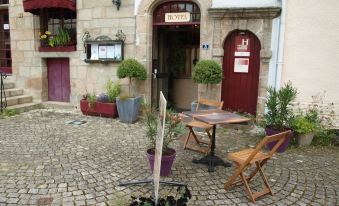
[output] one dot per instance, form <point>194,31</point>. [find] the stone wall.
<point>98,18</point>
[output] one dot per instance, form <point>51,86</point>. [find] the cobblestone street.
<point>46,161</point>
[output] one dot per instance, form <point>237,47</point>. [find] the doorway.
<point>241,67</point>
<point>175,52</point>
<point>59,88</point>
<point>5,43</point>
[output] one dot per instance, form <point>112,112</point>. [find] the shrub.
<point>131,68</point>
<point>279,112</point>
<point>303,125</point>
<point>173,127</point>
<point>113,90</point>
<point>207,72</point>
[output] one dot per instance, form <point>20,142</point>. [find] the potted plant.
<point>62,41</point>
<point>128,106</point>
<point>103,105</point>
<point>279,112</point>
<point>305,128</point>
<point>173,128</point>
<point>206,72</point>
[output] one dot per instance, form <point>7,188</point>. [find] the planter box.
<point>129,109</point>
<point>99,109</point>
<point>58,49</point>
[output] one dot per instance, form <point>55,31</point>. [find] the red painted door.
<point>58,80</point>
<point>241,68</point>
<point>5,43</point>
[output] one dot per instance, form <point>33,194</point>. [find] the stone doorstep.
<point>26,107</point>
<point>14,92</point>
<point>59,105</point>
<point>22,99</point>
<point>9,85</point>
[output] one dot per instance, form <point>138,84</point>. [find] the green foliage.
<point>324,137</point>
<point>207,72</point>
<point>10,112</point>
<point>279,113</point>
<point>131,68</point>
<point>303,125</point>
<point>173,127</point>
<point>91,98</point>
<point>61,39</point>
<point>113,90</point>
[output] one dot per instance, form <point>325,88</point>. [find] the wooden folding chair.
<point>198,147</point>
<point>245,158</point>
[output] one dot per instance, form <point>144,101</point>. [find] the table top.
<point>217,116</point>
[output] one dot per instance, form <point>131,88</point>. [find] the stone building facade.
<point>218,19</point>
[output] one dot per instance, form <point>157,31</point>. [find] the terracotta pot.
<point>166,161</point>
<point>99,109</point>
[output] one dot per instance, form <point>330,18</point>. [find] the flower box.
<point>58,49</point>
<point>99,109</point>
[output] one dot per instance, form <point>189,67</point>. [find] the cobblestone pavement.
<point>44,160</point>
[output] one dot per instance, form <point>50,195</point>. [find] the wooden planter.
<point>58,49</point>
<point>99,109</point>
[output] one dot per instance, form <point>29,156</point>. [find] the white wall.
<point>311,52</point>
<point>244,3</point>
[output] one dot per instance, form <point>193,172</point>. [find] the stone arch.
<point>144,32</point>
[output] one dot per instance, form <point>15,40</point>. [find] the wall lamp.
<point>117,3</point>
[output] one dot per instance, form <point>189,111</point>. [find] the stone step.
<point>19,100</point>
<point>9,85</point>
<point>25,107</point>
<point>14,92</point>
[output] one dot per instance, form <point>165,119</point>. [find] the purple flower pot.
<point>166,161</point>
<point>283,146</point>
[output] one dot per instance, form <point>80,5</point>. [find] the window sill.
<point>58,49</point>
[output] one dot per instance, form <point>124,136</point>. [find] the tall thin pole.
<point>3,102</point>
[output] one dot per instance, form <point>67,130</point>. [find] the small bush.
<point>207,72</point>
<point>113,90</point>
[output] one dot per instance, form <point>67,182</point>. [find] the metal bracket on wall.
<point>3,101</point>
<point>85,38</point>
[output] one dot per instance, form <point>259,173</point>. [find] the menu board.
<point>159,145</point>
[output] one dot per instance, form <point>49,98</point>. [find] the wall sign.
<point>242,46</point>
<point>241,65</point>
<point>178,17</point>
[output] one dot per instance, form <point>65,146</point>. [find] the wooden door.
<point>58,80</point>
<point>5,43</point>
<point>241,68</point>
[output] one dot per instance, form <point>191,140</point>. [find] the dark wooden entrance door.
<point>5,43</point>
<point>58,80</point>
<point>241,68</point>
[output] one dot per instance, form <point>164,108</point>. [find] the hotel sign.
<point>178,17</point>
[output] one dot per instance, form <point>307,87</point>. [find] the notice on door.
<point>241,65</point>
<point>242,46</point>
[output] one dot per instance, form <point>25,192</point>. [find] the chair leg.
<point>232,180</point>
<point>255,171</point>
<point>247,187</point>
<point>264,178</point>
<point>187,138</point>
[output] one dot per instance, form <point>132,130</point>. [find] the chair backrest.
<point>209,102</point>
<point>279,138</point>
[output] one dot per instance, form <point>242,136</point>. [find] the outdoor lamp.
<point>117,3</point>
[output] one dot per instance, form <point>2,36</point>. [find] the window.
<point>3,1</point>
<point>5,43</point>
<point>57,21</point>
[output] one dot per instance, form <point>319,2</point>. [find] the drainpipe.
<point>280,49</point>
